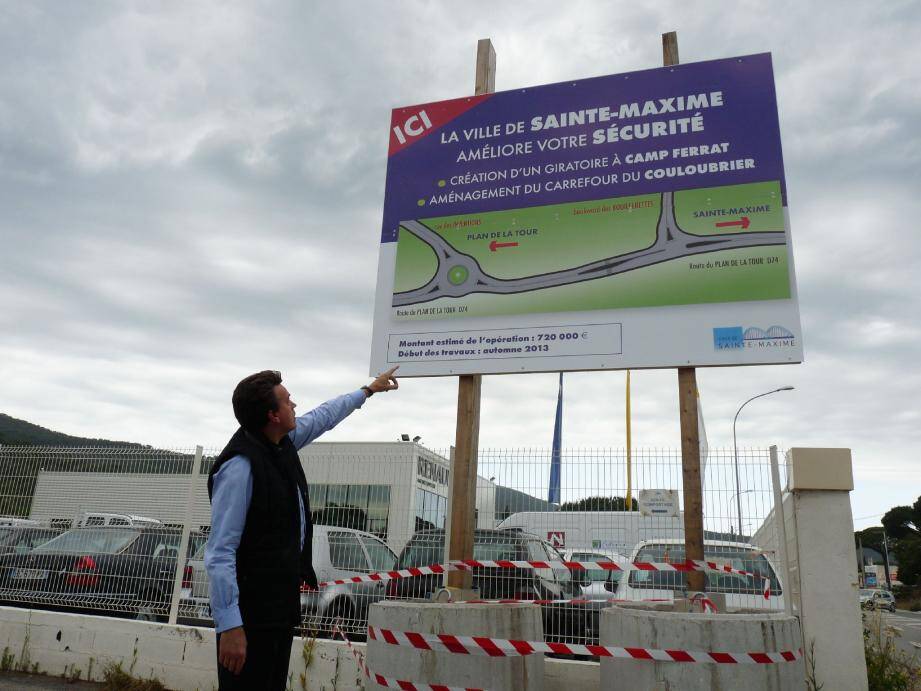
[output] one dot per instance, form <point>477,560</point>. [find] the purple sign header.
<point>672,128</point>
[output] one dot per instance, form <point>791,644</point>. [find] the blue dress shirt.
<point>231,493</point>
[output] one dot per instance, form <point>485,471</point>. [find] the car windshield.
<point>597,575</point>
<point>430,549</point>
<point>866,593</point>
<point>91,541</point>
<point>7,536</point>
<point>563,576</point>
<point>717,582</point>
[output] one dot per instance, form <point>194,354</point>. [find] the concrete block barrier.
<point>732,633</point>
<point>508,621</point>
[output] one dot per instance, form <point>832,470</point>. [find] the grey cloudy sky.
<point>192,191</point>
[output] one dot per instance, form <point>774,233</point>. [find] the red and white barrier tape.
<point>469,564</point>
<point>684,566</point>
<point>387,682</point>
<point>499,647</point>
<point>573,601</point>
<point>392,575</point>
<point>706,604</point>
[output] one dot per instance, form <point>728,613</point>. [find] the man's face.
<point>285,410</point>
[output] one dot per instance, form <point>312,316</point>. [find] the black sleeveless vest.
<point>270,561</point>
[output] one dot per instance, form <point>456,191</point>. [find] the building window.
<point>431,510</point>
<point>361,507</point>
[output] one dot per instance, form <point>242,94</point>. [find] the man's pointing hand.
<point>385,381</point>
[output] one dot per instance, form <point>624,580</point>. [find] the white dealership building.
<point>391,489</point>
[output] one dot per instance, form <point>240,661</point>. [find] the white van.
<point>598,531</point>
<point>741,592</point>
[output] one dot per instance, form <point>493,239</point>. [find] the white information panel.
<point>619,222</point>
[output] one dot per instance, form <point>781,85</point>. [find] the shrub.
<point>888,668</point>
<point>117,679</point>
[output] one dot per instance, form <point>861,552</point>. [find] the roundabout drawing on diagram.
<point>713,245</point>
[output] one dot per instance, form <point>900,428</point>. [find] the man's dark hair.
<point>254,398</point>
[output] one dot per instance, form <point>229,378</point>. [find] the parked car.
<point>562,623</point>
<point>338,553</point>
<point>741,592</point>
<point>124,570</point>
<point>7,521</point>
<point>22,538</point>
<point>877,599</point>
<point>96,518</point>
<point>597,584</point>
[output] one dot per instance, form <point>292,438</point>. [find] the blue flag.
<point>555,466</point>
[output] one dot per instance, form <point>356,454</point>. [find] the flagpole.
<point>628,503</point>
<point>553,494</point>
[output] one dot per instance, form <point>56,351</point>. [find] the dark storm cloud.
<point>192,191</point>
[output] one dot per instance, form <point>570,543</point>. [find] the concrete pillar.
<point>732,633</point>
<point>823,568</point>
<point>516,621</point>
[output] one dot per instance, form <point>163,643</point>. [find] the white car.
<point>338,553</point>
<point>877,599</point>
<point>597,584</point>
<point>763,590</point>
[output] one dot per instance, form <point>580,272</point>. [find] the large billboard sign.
<point>634,220</point>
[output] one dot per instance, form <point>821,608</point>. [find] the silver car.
<point>877,599</point>
<point>597,584</point>
<point>338,553</point>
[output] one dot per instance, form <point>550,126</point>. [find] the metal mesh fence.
<point>101,531</point>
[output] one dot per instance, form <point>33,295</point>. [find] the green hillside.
<point>14,432</point>
<point>19,467</point>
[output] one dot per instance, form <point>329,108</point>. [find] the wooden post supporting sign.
<point>464,470</point>
<point>690,434</point>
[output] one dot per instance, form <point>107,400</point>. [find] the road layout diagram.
<point>720,218</point>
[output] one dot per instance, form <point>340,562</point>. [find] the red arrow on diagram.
<point>744,223</point>
<point>493,246</point>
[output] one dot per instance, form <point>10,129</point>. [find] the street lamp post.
<point>735,448</point>
<point>736,495</point>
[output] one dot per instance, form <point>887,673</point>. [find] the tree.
<point>903,527</point>
<point>908,551</point>
<point>902,521</point>
<point>871,537</point>
<point>599,504</point>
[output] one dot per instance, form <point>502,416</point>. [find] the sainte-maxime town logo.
<point>738,337</point>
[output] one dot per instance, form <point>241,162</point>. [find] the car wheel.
<point>342,610</point>
<point>148,609</point>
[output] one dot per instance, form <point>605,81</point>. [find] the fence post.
<point>184,541</point>
<point>780,526</point>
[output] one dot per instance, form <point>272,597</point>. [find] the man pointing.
<point>259,551</point>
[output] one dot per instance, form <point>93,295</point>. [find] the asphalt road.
<point>908,625</point>
<point>17,680</point>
